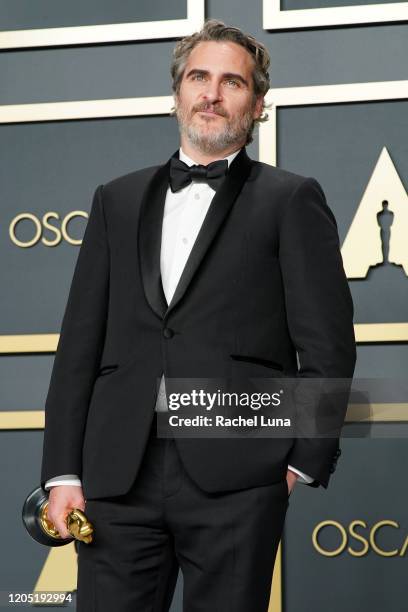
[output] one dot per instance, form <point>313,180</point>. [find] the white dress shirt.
<point>184,213</point>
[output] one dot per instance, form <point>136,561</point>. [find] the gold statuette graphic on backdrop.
<point>41,529</point>
<point>378,233</point>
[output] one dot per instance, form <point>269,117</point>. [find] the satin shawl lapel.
<point>150,229</point>
<point>149,240</point>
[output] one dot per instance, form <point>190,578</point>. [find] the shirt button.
<point>168,332</point>
<point>197,196</point>
<point>185,240</point>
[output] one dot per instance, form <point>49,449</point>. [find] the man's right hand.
<point>62,499</point>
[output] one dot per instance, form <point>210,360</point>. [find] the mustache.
<point>207,107</point>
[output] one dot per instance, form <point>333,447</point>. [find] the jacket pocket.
<point>268,363</point>
<point>107,369</point>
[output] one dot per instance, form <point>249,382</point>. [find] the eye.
<point>197,77</point>
<point>232,82</point>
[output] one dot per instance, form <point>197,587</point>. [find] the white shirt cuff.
<point>65,479</point>
<point>303,478</point>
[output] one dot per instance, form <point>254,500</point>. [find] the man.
<point>193,269</point>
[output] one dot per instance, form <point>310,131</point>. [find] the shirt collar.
<point>190,162</point>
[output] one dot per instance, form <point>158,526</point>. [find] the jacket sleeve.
<point>320,312</point>
<point>78,352</point>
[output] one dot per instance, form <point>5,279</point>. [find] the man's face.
<point>215,106</point>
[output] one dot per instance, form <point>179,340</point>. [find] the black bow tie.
<point>182,175</point>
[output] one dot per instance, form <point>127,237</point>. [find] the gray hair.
<point>216,31</point>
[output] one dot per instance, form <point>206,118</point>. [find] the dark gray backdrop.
<point>57,165</point>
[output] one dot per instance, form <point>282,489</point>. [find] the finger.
<point>62,529</point>
<point>61,525</point>
<point>79,504</point>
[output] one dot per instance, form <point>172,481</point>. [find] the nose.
<point>212,92</point>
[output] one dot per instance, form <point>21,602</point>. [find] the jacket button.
<point>168,332</point>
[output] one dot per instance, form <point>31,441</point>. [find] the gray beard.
<point>215,142</point>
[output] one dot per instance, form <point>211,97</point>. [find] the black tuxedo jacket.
<point>264,279</point>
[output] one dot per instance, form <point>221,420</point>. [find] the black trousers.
<point>225,544</point>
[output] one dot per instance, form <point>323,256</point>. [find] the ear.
<point>258,107</point>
